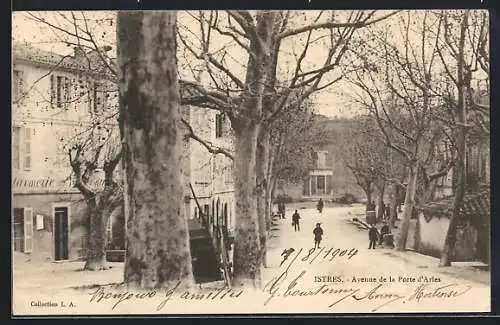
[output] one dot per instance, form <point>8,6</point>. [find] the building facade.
<point>55,99</point>
<point>211,175</point>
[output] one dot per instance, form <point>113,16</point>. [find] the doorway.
<point>61,232</point>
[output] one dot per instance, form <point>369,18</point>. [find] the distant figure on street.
<point>295,220</point>
<point>320,205</point>
<point>384,231</point>
<point>388,212</point>
<point>372,236</point>
<point>318,232</point>
<point>281,209</point>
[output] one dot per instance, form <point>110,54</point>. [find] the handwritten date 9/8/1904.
<point>313,254</point>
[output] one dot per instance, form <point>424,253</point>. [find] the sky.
<point>333,101</point>
<point>328,102</point>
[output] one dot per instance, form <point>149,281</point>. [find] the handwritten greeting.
<point>296,280</point>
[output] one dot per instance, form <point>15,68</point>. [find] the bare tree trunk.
<point>368,192</point>
<point>158,252</point>
<point>262,165</point>
<point>381,207</point>
<point>272,194</point>
<point>394,205</point>
<point>271,180</point>
<point>408,209</point>
<point>247,259</point>
<point>96,253</point>
<point>449,243</point>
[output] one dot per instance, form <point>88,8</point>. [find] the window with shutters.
<point>22,230</point>
<point>27,161</point>
<point>60,91</point>
<point>28,230</point>
<point>16,149</point>
<point>18,229</point>
<point>17,86</point>
<point>22,148</point>
<point>219,119</point>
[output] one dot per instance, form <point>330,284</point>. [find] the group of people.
<point>386,209</point>
<point>317,231</point>
<point>374,235</point>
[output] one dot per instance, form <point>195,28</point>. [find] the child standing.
<point>318,233</point>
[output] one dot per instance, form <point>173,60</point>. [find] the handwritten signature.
<point>379,293</point>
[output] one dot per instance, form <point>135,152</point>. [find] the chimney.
<point>79,53</point>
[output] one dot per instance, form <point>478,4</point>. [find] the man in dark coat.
<point>320,205</point>
<point>384,231</point>
<point>318,233</point>
<point>372,236</point>
<point>295,220</point>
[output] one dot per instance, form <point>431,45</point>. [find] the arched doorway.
<point>213,213</point>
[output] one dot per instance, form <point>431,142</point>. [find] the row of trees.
<point>253,96</point>
<point>260,69</point>
<point>417,84</point>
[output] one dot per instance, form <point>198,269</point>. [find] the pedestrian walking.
<point>372,236</point>
<point>388,212</point>
<point>295,221</point>
<point>320,205</point>
<point>318,233</point>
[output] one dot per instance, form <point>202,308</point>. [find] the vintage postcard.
<point>250,162</point>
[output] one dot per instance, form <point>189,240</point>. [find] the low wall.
<point>428,237</point>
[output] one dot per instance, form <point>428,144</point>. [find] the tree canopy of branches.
<point>256,93</point>
<point>413,90</point>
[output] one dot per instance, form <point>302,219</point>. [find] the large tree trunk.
<point>408,209</point>
<point>262,179</point>
<point>381,206</point>
<point>247,253</point>
<point>158,253</point>
<point>271,181</point>
<point>368,192</point>
<point>247,258</point>
<point>449,244</point>
<point>96,246</point>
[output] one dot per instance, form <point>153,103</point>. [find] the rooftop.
<point>473,205</point>
<point>89,62</point>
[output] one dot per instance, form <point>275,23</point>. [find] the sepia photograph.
<point>235,162</point>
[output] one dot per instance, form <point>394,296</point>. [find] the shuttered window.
<point>60,91</point>
<point>22,148</point>
<point>28,230</point>
<point>27,161</point>
<point>16,148</point>
<point>17,86</point>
